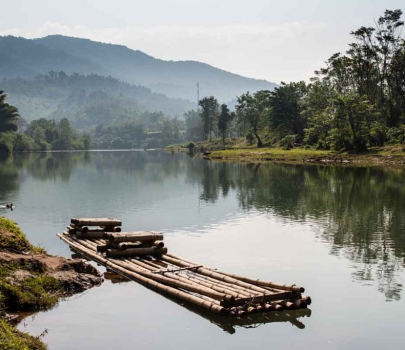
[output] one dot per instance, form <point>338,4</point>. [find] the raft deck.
<point>142,257</point>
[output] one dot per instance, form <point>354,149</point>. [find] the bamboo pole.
<point>256,282</point>
<point>153,284</point>
<point>178,283</point>
<point>217,275</point>
<point>227,299</point>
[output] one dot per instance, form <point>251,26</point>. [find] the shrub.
<point>288,141</point>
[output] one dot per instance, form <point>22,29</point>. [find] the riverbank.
<point>379,157</point>
<point>32,280</point>
<point>238,150</point>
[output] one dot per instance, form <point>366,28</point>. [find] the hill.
<point>26,58</point>
<point>87,100</point>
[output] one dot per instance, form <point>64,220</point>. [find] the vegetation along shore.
<point>32,280</point>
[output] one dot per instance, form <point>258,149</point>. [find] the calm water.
<point>337,231</point>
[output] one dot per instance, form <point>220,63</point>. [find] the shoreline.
<point>31,280</point>
<point>386,158</point>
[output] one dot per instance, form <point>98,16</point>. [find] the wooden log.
<point>89,235</point>
<point>146,281</point>
<point>111,228</point>
<point>96,222</point>
<point>288,305</point>
<point>307,299</point>
<point>300,304</point>
<point>134,237</point>
<point>115,253</point>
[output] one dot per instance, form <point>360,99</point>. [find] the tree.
<point>352,119</point>
<point>209,114</point>
<point>224,118</point>
<point>254,109</point>
<point>8,115</point>
<point>286,116</point>
<point>194,126</point>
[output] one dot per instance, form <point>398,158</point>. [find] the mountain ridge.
<point>28,57</point>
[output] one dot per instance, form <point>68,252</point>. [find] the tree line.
<point>356,101</point>
<point>39,135</point>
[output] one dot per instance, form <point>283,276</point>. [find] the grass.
<point>12,339</point>
<point>272,153</point>
<point>35,291</point>
<point>12,239</point>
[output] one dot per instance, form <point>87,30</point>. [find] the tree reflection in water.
<point>359,209</point>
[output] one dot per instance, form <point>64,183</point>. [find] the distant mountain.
<point>21,57</point>
<point>87,100</point>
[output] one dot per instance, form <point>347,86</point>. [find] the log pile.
<point>89,228</point>
<point>141,256</point>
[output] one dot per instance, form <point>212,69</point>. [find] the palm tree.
<point>8,115</point>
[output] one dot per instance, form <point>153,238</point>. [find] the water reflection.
<point>358,211</point>
<point>230,324</point>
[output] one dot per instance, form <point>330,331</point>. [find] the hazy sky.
<point>284,40</point>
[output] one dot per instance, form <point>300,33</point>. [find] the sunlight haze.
<point>272,40</point>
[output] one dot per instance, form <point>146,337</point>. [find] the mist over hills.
<point>87,100</point>
<point>26,58</point>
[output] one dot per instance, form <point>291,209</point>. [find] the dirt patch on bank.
<point>74,276</point>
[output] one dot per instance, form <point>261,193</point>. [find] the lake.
<point>337,231</point>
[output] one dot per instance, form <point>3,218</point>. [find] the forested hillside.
<point>25,58</point>
<point>87,100</point>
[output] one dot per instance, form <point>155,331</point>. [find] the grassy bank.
<point>387,156</point>
<point>32,280</point>
<point>239,150</point>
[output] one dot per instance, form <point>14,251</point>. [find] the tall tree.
<point>223,121</point>
<point>286,116</point>
<point>8,115</point>
<point>209,114</point>
<point>254,109</point>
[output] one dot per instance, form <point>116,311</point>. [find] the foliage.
<point>191,147</point>
<point>8,115</point>
<point>357,101</point>
<point>223,121</point>
<point>286,115</point>
<point>287,142</point>
<point>254,109</point>
<point>7,140</point>
<point>209,114</point>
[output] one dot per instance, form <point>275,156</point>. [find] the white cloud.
<point>274,52</point>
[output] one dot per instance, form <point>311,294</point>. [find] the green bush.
<point>7,140</point>
<point>288,141</point>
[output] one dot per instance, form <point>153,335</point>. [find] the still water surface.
<point>337,231</point>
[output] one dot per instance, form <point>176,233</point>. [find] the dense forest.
<point>356,101</point>
<point>148,130</point>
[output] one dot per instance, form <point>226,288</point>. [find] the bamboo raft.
<point>142,257</point>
